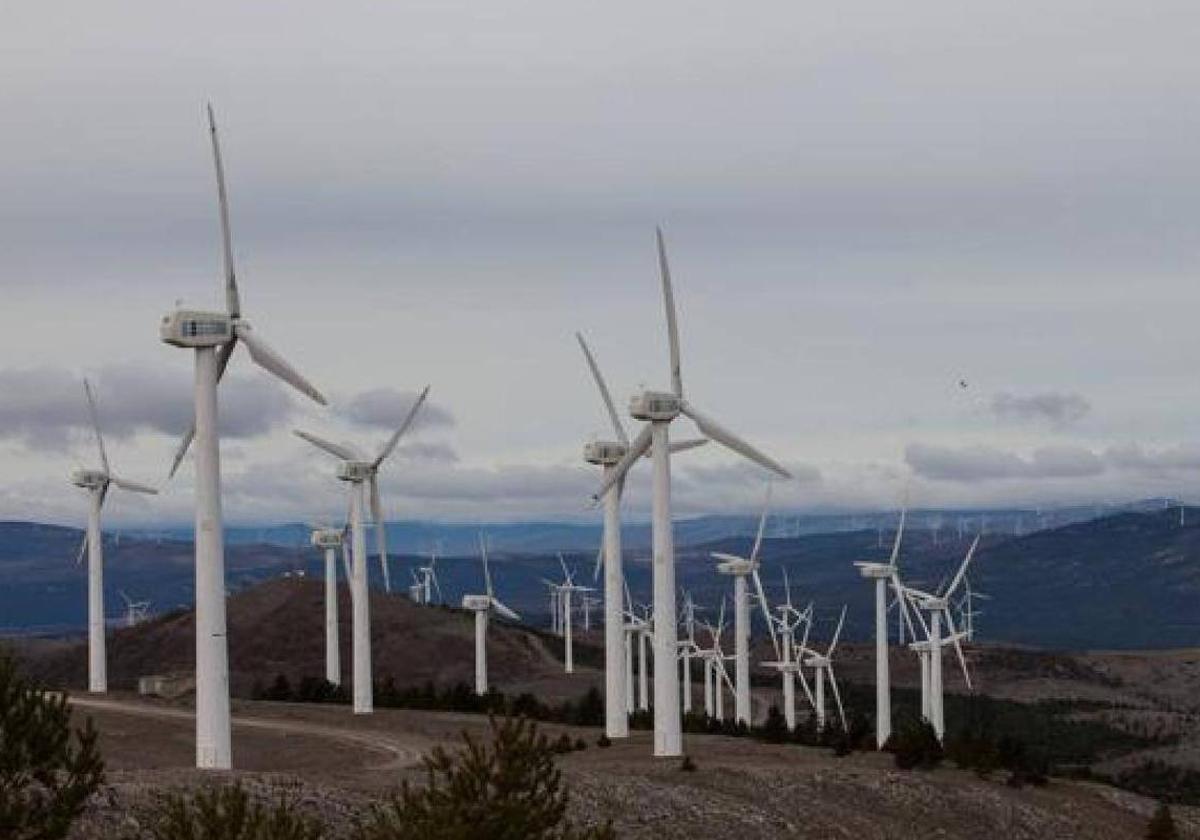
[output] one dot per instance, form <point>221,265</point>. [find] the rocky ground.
<point>335,764</point>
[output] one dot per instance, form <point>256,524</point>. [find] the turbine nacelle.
<point>876,571</point>
<point>327,538</point>
<point>660,406</point>
<point>737,566</point>
<point>817,661</point>
<point>355,471</point>
<point>934,604</point>
<point>604,453</point>
<point>192,328</point>
<point>89,479</point>
<point>477,603</point>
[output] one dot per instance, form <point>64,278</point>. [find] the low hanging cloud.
<point>386,408</point>
<point>44,408</point>
<point>984,463</point>
<point>1052,407</point>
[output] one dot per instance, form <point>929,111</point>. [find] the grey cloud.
<point>1133,457</point>
<point>45,407</point>
<point>386,408</point>
<point>983,463</point>
<point>1059,409</point>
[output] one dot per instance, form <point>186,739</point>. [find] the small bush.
<point>687,765</point>
<point>604,741</point>
<point>506,790</point>
<point>1162,824</point>
<point>227,813</point>
<point>47,770</point>
<point>914,744</point>
<point>580,745</point>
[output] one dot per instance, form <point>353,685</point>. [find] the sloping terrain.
<point>278,628</point>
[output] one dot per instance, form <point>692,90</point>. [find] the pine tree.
<point>47,770</point>
<point>508,789</point>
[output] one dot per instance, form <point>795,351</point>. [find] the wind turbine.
<point>788,662</point>
<point>687,648</point>
<point>741,568</point>
<point>482,605</point>
<point>822,664</point>
<point>883,574</point>
<point>356,469</point>
<point>565,590</point>
<point>659,409</point>
<point>938,607</point>
<point>607,455</point>
<point>135,611</point>
<point>428,581</point>
<point>204,332</point>
<point>96,483</point>
<point>359,473</point>
<point>329,540</point>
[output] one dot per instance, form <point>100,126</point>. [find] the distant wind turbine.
<point>96,483</point>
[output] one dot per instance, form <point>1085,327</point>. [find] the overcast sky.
<point>866,205</point>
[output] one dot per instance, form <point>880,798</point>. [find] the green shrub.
<point>227,813</point>
<point>505,790</point>
<point>687,765</point>
<point>47,770</point>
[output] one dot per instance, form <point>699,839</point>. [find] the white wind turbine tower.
<point>884,574</point>
<point>607,455</point>
<point>97,482</point>
<point>741,568</point>
<point>822,664</point>
<point>330,540</point>
<point>938,607</point>
<point>688,648</point>
<point>482,605</point>
<point>565,590</point>
<point>358,472</point>
<point>135,611</point>
<point>204,332</point>
<point>659,409</point>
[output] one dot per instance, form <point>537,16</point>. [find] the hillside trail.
<point>399,753</point>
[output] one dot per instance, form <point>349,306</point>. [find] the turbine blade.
<point>133,486</point>
<point>487,575</point>
<point>604,393</point>
<point>334,449</point>
<point>727,438</point>
<point>962,660</point>
<point>684,445</point>
<point>505,611</point>
<point>599,563</point>
<point>837,696</point>
<point>762,525</point>
<point>804,684</point>
<point>91,401</point>
<point>272,362</point>
<point>766,611</point>
<point>223,357</point>
<point>837,633</point>
<point>380,531</point>
<point>672,322</point>
<point>728,558</point>
<point>232,300</point>
<point>899,534</point>
<point>408,421</point>
<point>83,544</point>
<point>962,570</point>
<point>640,444</point>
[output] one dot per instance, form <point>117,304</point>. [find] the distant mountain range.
<point>1126,580</point>
<point>422,536</point>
